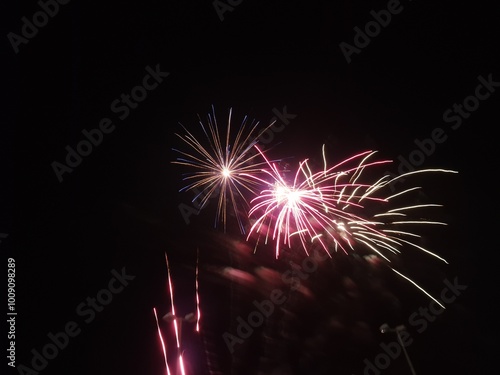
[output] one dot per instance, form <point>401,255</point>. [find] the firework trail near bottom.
<point>178,321</point>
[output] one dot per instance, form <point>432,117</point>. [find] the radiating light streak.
<point>171,292</point>
<point>162,342</point>
<point>420,288</point>
<point>198,311</point>
<point>181,365</point>
<point>415,206</point>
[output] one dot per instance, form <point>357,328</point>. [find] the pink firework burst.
<point>327,206</point>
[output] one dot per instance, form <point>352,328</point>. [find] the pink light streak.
<point>162,342</point>
<point>171,289</point>
<point>198,312</point>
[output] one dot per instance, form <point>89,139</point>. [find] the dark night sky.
<point>119,207</point>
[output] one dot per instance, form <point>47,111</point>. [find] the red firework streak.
<point>178,321</point>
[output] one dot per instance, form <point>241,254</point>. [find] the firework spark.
<point>172,305</point>
<point>222,165</point>
<point>162,343</point>
<point>198,311</point>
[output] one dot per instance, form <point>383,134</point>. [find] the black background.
<point>119,207</point>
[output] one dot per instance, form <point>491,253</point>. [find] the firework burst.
<point>223,165</point>
<point>329,207</point>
